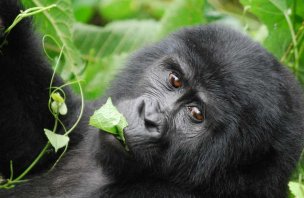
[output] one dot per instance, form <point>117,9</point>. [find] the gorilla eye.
<point>196,113</point>
<point>174,80</point>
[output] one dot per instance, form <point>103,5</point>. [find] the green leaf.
<point>296,189</point>
<point>126,9</point>
<point>108,119</point>
<point>58,22</point>
<point>98,75</point>
<point>113,9</point>
<point>57,141</point>
<point>115,38</point>
<point>299,8</point>
<point>271,13</point>
<point>84,10</point>
<point>106,48</point>
<point>280,4</point>
<point>182,13</point>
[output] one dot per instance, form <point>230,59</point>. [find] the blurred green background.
<point>97,36</point>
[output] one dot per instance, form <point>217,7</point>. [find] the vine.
<point>56,105</point>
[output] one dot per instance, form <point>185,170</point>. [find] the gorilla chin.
<point>211,114</point>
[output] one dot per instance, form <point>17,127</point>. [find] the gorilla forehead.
<point>213,51</point>
<point>215,56</point>
<point>228,64</point>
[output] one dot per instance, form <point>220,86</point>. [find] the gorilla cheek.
<point>183,131</point>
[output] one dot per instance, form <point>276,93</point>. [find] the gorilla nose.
<point>152,114</point>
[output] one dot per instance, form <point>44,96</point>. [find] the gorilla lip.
<point>119,145</point>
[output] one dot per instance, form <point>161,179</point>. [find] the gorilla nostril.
<point>152,117</point>
<point>151,126</point>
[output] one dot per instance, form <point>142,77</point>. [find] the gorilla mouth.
<point>116,143</point>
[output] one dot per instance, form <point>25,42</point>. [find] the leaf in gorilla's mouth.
<point>110,120</point>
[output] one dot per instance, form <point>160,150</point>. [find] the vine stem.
<point>37,159</point>
<point>27,13</point>
<point>299,37</point>
<point>10,183</point>
<point>294,40</point>
<point>41,154</point>
<point>81,109</point>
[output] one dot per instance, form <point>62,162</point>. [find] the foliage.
<point>56,106</point>
<point>57,141</point>
<point>284,21</point>
<point>98,35</point>
<point>131,24</point>
<point>296,189</point>
<point>58,22</point>
<point>110,120</point>
<point>104,49</point>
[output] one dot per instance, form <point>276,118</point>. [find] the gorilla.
<point>211,114</point>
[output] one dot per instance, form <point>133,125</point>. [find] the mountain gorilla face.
<point>207,103</point>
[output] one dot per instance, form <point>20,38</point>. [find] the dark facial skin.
<point>172,99</point>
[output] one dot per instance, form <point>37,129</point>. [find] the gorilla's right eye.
<point>174,80</point>
<point>196,113</point>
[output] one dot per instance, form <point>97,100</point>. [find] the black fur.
<point>247,145</point>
